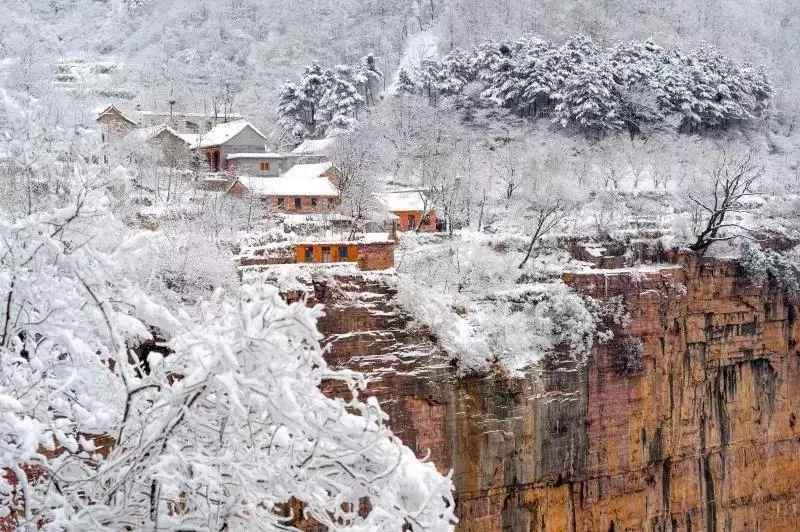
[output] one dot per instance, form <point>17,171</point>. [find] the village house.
<point>285,194</point>
<point>115,124</point>
<point>170,147</point>
<point>229,138</point>
<point>412,209</point>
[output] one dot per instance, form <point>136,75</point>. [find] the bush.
<point>628,359</point>
<point>764,266</point>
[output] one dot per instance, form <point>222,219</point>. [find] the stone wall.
<point>706,439</point>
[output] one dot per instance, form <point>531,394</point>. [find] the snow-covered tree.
<point>290,112</point>
<point>590,101</point>
<point>340,103</point>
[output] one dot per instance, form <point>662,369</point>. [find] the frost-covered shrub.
<point>763,266</point>
<point>627,360</point>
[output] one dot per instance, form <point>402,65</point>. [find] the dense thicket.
<point>634,87</point>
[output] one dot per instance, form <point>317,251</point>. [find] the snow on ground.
<point>420,46</point>
<point>470,293</point>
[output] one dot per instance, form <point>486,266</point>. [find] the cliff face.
<point>706,439</point>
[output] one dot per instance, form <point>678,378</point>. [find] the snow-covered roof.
<point>189,115</point>
<point>222,133</point>
<point>113,109</point>
<point>364,238</point>
<point>285,186</point>
<point>192,139</point>
<point>256,155</point>
<point>403,200</point>
<point>314,147</point>
<point>148,133</point>
<point>307,171</point>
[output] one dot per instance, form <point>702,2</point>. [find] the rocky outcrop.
<point>705,439</point>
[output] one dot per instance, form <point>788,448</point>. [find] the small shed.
<point>411,208</point>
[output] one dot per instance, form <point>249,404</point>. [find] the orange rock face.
<point>706,439</point>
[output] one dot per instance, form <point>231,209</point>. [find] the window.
<point>412,222</point>
<point>308,254</point>
<point>264,167</point>
<point>280,203</point>
<point>298,203</point>
<point>326,254</point>
<point>313,202</point>
<point>342,253</point>
<point>330,203</point>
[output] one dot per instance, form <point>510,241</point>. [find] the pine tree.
<point>405,83</point>
<point>290,113</point>
<point>310,91</point>
<point>341,102</point>
<point>590,101</point>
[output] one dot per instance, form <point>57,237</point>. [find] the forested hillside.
<point>151,52</point>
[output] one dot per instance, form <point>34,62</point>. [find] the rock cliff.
<point>705,439</point>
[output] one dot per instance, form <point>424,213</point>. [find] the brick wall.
<point>376,256</point>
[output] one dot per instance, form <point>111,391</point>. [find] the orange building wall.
<point>300,256</point>
<point>372,256</point>
<point>418,215</point>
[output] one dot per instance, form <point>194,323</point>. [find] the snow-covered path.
<point>420,45</point>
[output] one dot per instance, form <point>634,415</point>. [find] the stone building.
<point>114,123</point>
<point>169,147</point>
<point>229,138</point>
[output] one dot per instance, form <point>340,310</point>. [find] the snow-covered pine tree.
<point>405,81</point>
<point>290,112</point>
<point>635,66</point>
<point>590,101</point>
<point>340,103</point>
<point>456,72</point>
<point>312,87</point>
<point>540,83</point>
